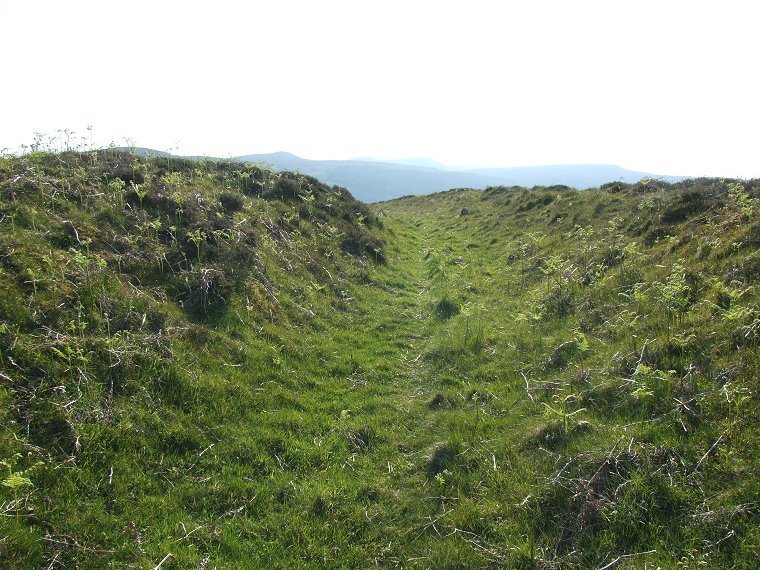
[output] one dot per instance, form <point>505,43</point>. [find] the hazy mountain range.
<point>372,180</point>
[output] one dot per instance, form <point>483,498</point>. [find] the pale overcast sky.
<point>668,87</point>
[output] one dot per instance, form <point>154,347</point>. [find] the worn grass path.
<point>446,431</point>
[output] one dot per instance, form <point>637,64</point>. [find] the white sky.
<point>665,86</point>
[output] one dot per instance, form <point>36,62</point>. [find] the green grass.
<point>252,370</point>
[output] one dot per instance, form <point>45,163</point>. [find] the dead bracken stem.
<point>164,559</point>
<point>622,557</point>
<point>709,452</point>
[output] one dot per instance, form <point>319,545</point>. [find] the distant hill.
<point>374,181</point>
<point>419,161</point>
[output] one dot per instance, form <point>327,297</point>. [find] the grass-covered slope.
<point>209,365</point>
<point>154,318</point>
<point>594,377</point>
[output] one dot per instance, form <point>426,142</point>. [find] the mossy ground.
<point>250,370</point>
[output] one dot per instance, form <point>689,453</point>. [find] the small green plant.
<point>33,277</point>
<point>141,192</point>
<point>197,237</point>
<point>79,259</point>
<point>3,330</point>
<point>16,480</point>
<point>173,180</point>
<point>742,200</point>
<point>150,228</point>
<point>552,267</point>
<point>673,297</point>
<point>653,389</point>
<point>561,410</point>
<point>117,187</point>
